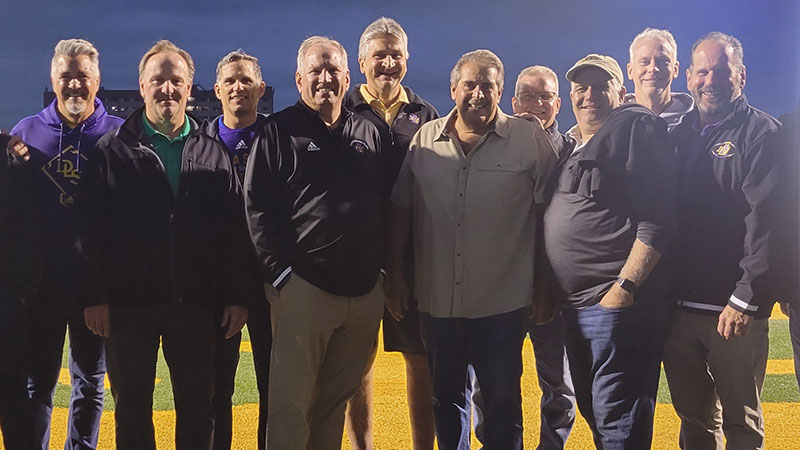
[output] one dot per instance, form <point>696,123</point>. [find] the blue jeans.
<point>15,421</point>
<point>47,326</point>
<point>615,360</point>
<point>493,346</point>
<point>558,397</point>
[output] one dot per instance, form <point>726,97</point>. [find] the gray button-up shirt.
<point>474,215</point>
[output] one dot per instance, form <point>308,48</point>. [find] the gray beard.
<point>75,106</point>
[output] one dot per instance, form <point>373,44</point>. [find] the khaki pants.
<point>716,383</point>
<point>320,347</point>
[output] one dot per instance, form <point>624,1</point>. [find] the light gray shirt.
<point>474,216</point>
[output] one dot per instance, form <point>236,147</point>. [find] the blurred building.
<point>203,104</point>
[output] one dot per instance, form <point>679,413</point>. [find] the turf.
<point>780,396</point>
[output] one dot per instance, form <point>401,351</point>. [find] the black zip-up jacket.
<point>316,199</point>
<point>211,129</point>
<point>728,207</point>
<point>20,253</point>
<point>146,246</point>
<point>397,138</point>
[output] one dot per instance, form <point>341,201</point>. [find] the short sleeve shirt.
<point>474,215</point>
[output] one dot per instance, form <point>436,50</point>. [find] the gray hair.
<point>536,70</point>
<point>73,48</point>
<point>382,26</point>
<point>655,33</point>
<point>314,41</point>
<point>481,57</point>
<point>729,41</point>
<point>163,46</point>
<point>240,55</point>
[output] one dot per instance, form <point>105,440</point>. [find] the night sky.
<point>521,33</point>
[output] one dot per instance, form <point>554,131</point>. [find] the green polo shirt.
<point>169,151</point>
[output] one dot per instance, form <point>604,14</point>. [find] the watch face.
<point>627,284</point>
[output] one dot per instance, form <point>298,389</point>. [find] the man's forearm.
<point>641,261</point>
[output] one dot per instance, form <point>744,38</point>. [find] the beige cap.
<point>605,63</point>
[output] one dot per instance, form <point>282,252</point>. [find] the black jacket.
<point>725,250</point>
<point>146,246</point>
<point>395,139</point>
<point>211,129</point>
<point>20,253</point>
<point>316,199</point>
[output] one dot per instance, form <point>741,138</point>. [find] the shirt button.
<point>460,194</point>
<point>458,224</point>
<point>458,254</point>
<point>458,283</point>
<point>464,168</point>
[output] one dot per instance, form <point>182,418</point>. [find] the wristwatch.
<point>627,285</point>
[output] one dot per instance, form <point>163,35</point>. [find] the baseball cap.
<point>605,63</point>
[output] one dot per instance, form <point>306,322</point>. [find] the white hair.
<point>382,26</point>
<point>72,48</point>
<point>654,33</point>
<point>536,70</point>
<point>314,41</point>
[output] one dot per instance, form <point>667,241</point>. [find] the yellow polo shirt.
<point>388,112</point>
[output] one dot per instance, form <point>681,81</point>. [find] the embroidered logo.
<point>723,150</point>
<point>312,147</point>
<point>414,118</point>
<point>65,175</point>
<point>359,146</point>
<point>241,145</point>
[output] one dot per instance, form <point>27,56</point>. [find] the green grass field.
<point>780,396</point>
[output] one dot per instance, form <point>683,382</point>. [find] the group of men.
<point>647,232</point>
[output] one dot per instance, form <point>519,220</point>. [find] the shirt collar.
<point>375,101</point>
<point>499,126</point>
<point>150,131</point>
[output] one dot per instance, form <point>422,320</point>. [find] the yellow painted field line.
<point>780,367</point>
<point>777,313</point>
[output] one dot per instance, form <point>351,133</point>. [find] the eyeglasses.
<point>532,97</point>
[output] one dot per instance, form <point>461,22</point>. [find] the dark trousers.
<point>493,346</point>
<point>558,394</point>
<point>226,359</point>
<point>615,360</point>
<point>48,322</point>
<point>15,414</point>
<point>187,334</point>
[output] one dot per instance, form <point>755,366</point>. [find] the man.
<point>167,247</point>
<point>652,68</point>
<point>730,167</point>
<point>536,94</point>
<point>398,113</point>
<point>239,87</point>
<point>610,217</point>
<point>19,279</point>
<point>315,200</point>
<point>470,182</point>
<point>61,138</point>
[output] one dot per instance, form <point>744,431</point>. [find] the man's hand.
<point>17,148</point>
<point>530,117</point>
<point>617,298</point>
<point>234,317</point>
<point>395,291</point>
<point>732,323</point>
<point>97,320</point>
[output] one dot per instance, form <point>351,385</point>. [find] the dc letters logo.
<point>64,173</point>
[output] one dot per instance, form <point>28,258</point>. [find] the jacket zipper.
<point>173,203</point>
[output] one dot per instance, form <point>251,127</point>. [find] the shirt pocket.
<point>586,181</point>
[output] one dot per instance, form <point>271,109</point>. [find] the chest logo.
<point>359,146</point>
<point>414,119</point>
<point>65,173</point>
<point>312,147</point>
<point>241,145</point>
<point>723,150</point>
